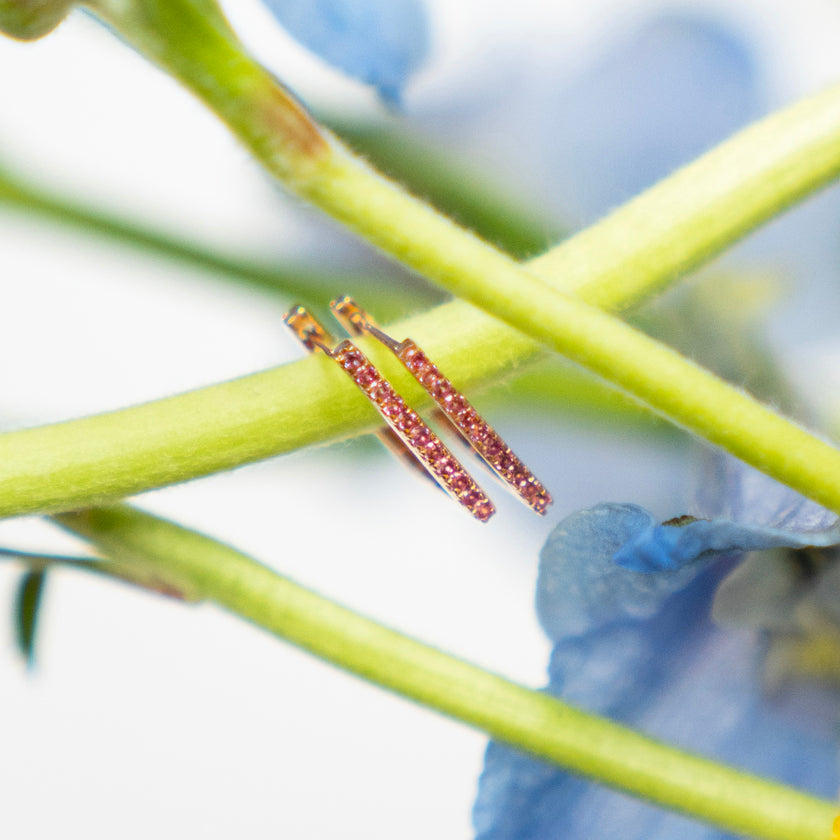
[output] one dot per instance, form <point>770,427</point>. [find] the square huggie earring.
<point>454,405</point>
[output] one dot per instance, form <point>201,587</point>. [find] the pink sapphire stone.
<point>393,406</point>
<point>459,482</point>
<point>421,437</point>
<point>522,478</point>
<point>468,419</point>
<point>382,392</point>
<point>431,379</point>
<point>366,376</point>
<point>484,510</point>
<point>474,499</point>
<point>417,363</point>
<point>446,467</point>
<point>493,448</point>
<point>455,405</point>
<point>443,390</point>
<point>408,421</point>
<point>505,462</point>
<point>351,362</point>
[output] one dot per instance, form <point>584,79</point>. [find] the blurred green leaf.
<point>394,292</point>
<point>473,198</point>
<point>27,605</point>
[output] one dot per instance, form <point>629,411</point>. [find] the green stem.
<point>558,388</point>
<point>452,185</point>
<point>302,283</point>
<point>653,373</point>
<point>696,219</point>
<point>154,577</point>
<point>102,458</point>
<point>528,720</point>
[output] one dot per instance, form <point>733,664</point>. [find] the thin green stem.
<point>301,283</point>
<point>528,720</point>
<point>154,577</point>
<point>556,389</point>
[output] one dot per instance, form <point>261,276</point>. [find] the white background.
<point>145,718</point>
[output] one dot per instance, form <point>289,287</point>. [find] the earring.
<point>409,433</point>
<point>454,405</point>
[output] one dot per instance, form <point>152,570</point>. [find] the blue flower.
<point>670,627</point>
<point>641,617</point>
<point>677,86</point>
<point>380,42</point>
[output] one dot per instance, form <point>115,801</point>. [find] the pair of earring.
<point>406,433</point>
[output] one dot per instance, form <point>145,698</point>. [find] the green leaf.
<point>27,605</point>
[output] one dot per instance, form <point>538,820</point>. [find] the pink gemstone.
<point>351,361</point>
<point>454,404</point>
<point>541,504</point>
<point>430,379</point>
<point>408,421</point>
<point>484,510</point>
<point>536,497</point>
<point>381,392</point>
<point>421,437</point>
<point>459,482</point>
<point>417,363</point>
<point>393,406</point>
<point>474,499</point>
<point>446,467</point>
<point>366,376</point>
<point>468,419</point>
<point>532,490</point>
<point>434,451</point>
<point>505,462</point>
<point>443,390</point>
<point>521,476</point>
<point>493,448</point>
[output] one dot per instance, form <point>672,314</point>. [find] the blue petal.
<point>662,547</point>
<point>684,681</point>
<point>730,489</point>
<point>380,42</point>
<point>759,514</point>
<point>643,650</point>
<point>677,86</point>
<point>581,588</point>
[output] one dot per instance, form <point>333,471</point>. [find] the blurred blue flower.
<point>642,643</point>
<point>665,94</point>
<point>677,86</point>
<point>380,42</point>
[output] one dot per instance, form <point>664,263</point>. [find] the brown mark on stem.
<point>286,120</point>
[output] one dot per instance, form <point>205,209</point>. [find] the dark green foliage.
<point>27,604</point>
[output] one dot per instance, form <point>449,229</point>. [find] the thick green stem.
<point>102,458</point>
<point>676,225</point>
<point>526,719</point>
<point>715,201</point>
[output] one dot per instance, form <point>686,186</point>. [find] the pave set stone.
<point>474,428</point>
<point>411,429</point>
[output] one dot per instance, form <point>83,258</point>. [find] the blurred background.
<point>143,717</point>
